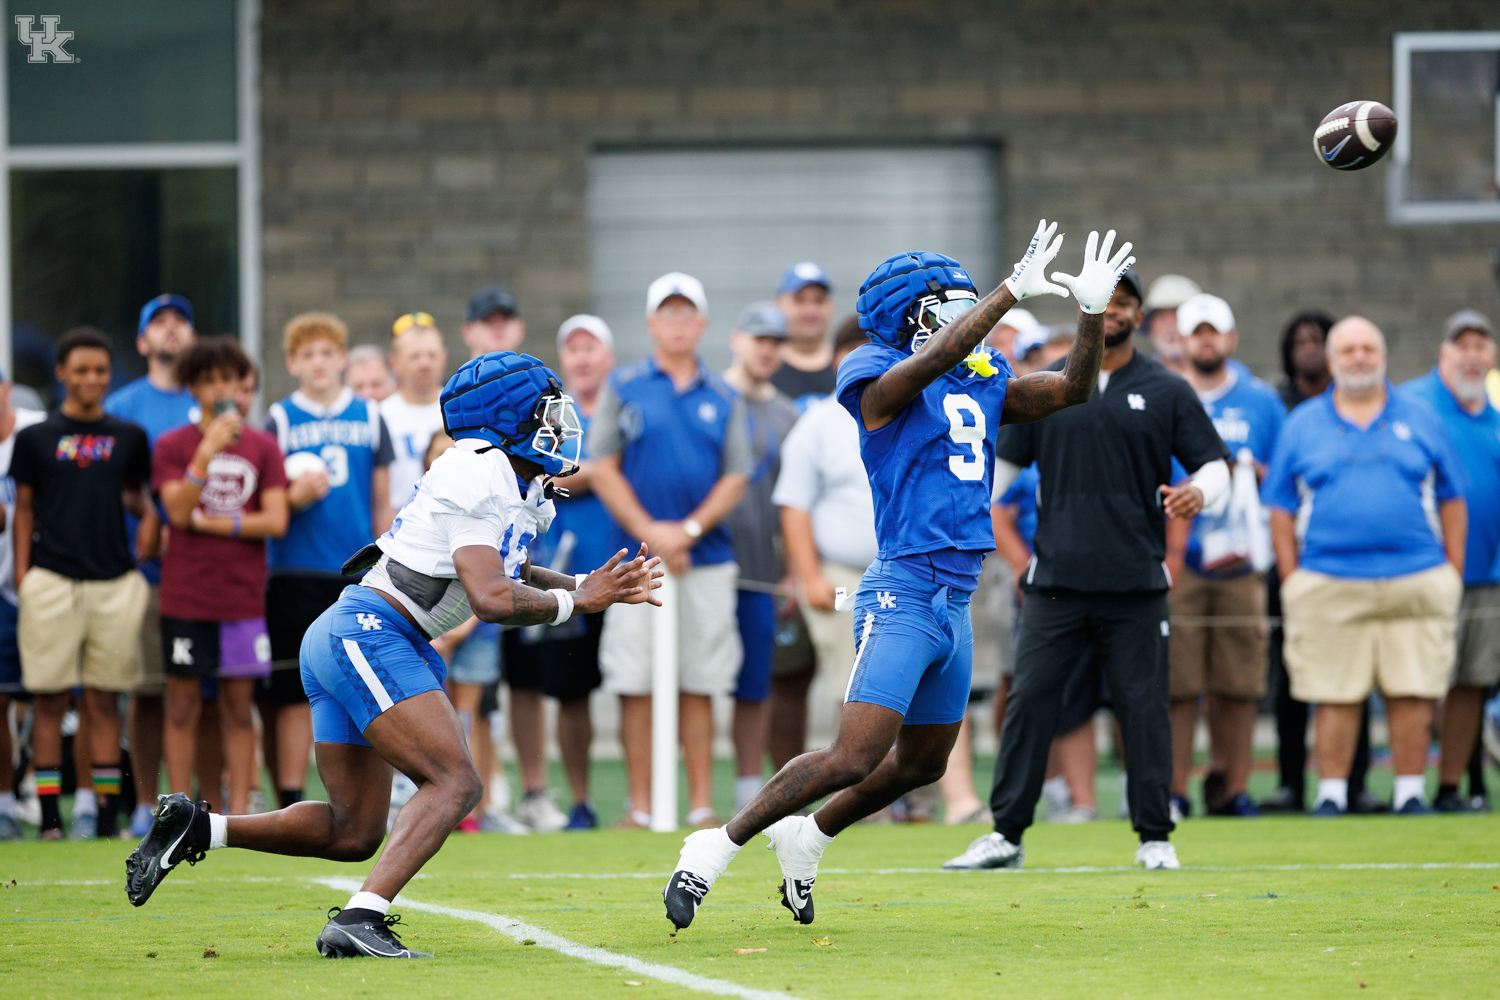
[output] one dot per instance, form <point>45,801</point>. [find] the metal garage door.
<point>735,219</point>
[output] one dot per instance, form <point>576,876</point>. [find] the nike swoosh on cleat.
<point>165,861</point>
<point>798,900</point>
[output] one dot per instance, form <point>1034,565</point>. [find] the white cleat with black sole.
<point>990,851</point>
<point>1156,855</point>
<point>798,854</point>
<point>705,855</point>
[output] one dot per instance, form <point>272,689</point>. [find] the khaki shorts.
<point>832,632</point>
<point>80,632</point>
<point>1345,636</point>
<point>1478,662</point>
<point>1226,660</point>
<point>153,667</point>
<point>708,637</point>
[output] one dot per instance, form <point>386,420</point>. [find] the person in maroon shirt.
<point>224,489</point>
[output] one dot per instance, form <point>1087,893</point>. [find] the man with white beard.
<point>1455,388</point>
<point>1367,481</point>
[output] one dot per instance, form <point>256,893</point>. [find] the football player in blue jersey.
<point>458,548</point>
<point>928,399</point>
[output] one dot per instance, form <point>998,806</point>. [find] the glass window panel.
<point>143,71</point>
<point>92,246</point>
<point>1452,122</point>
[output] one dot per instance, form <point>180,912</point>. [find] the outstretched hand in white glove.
<point>1030,275</point>
<point>1095,284</point>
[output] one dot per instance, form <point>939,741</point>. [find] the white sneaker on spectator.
<point>540,813</point>
<point>1157,854</point>
<point>990,851</point>
<point>1076,814</point>
<point>1058,796</point>
<point>501,821</point>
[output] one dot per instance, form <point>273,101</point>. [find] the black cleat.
<point>796,895</point>
<point>374,937</point>
<point>684,894</point>
<point>178,833</point>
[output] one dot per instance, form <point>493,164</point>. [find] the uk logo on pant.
<point>367,621</point>
<point>886,598</point>
<point>182,652</point>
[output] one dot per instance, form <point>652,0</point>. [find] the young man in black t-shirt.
<point>82,599</point>
<point>1098,579</point>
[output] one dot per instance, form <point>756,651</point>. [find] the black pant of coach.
<point>1127,634</point>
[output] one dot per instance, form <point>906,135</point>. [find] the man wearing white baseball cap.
<point>562,661</point>
<point>1161,323</point>
<point>671,459</point>
<point>1225,665</point>
<point>1013,326</point>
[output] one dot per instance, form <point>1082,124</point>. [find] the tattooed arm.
<point>546,579</point>
<point>885,397</point>
<point>1043,393</point>
<point>494,596</point>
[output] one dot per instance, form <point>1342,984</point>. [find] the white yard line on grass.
<point>520,931</point>
<point>1040,871</point>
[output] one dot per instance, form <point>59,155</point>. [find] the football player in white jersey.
<point>458,548</point>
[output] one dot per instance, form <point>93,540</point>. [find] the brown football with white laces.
<point>1355,135</point>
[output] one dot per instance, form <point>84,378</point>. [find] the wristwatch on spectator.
<point>693,528</point>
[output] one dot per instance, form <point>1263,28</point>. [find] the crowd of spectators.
<point>161,559</point>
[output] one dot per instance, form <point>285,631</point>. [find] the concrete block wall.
<point>416,151</point>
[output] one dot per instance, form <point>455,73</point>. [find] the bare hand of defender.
<point>618,582</point>
<point>1184,502</point>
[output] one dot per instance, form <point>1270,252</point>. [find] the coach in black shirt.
<point>1098,580</point>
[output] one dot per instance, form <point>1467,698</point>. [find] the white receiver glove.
<point>1030,275</point>
<point>1095,284</point>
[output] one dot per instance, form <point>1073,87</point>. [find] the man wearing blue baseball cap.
<point>156,402</point>
<point>806,296</point>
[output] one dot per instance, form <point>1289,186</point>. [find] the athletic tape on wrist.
<point>564,605</point>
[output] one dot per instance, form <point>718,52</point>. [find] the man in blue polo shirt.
<point>1224,666</point>
<point>1371,593</point>
<point>671,460</point>
<point>156,402</point>
<point>1456,390</point>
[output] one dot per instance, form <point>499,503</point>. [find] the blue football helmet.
<point>516,403</point>
<point>910,296</point>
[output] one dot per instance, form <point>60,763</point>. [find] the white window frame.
<point>243,154</point>
<point>1399,210</point>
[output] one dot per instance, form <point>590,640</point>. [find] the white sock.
<point>1335,790</point>
<point>1124,785</point>
<point>745,787</point>
<point>369,901</point>
<point>84,802</point>
<point>8,805</point>
<point>218,831</point>
<point>1410,786</point>
<point>1057,792</point>
<point>644,819</point>
<point>815,835</point>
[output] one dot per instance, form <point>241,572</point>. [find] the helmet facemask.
<point>559,433</point>
<point>932,312</point>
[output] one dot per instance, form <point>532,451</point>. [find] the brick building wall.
<point>415,151</point>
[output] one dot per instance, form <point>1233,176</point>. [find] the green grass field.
<point>1270,907</point>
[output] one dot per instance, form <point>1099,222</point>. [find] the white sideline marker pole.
<point>664,633</point>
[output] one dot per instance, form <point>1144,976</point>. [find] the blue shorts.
<point>914,646</point>
<point>477,660</point>
<point>10,653</point>
<point>757,619</point>
<point>360,658</point>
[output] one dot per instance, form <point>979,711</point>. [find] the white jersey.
<point>411,428</point>
<point>24,418</point>
<point>467,498</point>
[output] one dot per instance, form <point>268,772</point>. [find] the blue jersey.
<point>931,469</point>
<point>351,439</point>
<point>1021,494</point>
<point>1247,413</point>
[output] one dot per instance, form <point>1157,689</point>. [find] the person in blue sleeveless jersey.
<point>336,449</point>
<point>459,547</point>
<point>928,400</point>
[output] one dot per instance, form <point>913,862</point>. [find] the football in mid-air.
<point>1352,136</point>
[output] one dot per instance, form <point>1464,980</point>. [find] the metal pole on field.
<point>664,709</point>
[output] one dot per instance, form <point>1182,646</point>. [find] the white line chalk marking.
<point>519,931</point>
